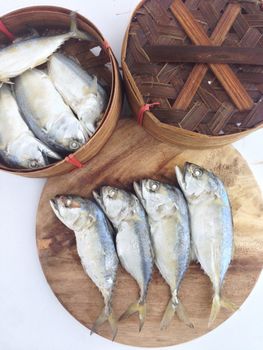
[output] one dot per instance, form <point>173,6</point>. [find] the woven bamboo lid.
<point>202,61</point>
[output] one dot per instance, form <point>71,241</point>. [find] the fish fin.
<point>218,201</point>
<point>216,306</point>
<point>182,315</point>
<point>172,309</point>
<point>226,304</point>
<point>33,34</point>
<point>6,81</point>
<point>132,309</point>
<point>47,152</point>
<point>75,32</point>
<point>168,315</point>
<point>94,86</point>
<point>104,317</point>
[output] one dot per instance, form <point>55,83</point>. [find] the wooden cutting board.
<point>132,154</point>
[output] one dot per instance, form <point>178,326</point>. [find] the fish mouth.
<point>98,195</point>
<point>138,186</point>
<point>54,205</point>
<point>181,175</point>
<point>187,166</point>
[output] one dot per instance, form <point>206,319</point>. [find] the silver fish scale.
<point>212,231</point>
<point>227,229</point>
<point>98,256</point>
<point>134,249</point>
<point>171,240</point>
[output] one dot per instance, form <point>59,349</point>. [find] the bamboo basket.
<point>151,25</point>
<point>51,20</point>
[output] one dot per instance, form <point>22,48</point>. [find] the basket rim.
<point>149,114</point>
<point>114,72</point>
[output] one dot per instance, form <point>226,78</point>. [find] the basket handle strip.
<point>144,109</point>
<point>205,54</point>
<point>71,159</point>
<point>6,32</point>
<point>199,71</point>
<point>223,72</point>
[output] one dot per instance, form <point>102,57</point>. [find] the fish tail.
<point>175,307</point>
<point>139,307</point>
<point>105,316</point>
<point>216,306</point>
<point>75,32</point>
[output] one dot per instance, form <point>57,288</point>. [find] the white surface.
<point>31,318</point>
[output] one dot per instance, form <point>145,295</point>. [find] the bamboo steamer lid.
<point>160,52</point>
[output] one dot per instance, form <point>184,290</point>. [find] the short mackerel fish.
<point>211,227</point>
<point>48,116</point>
<point>95,247</point>
<point>170,234</point>
<point>133,241</point>
<point>82,92</point>
<point>19,148</point>
<point>29,53</point>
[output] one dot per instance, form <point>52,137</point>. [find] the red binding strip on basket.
<point>71,159</point>
<point>6,32</point>
<point>144,109</point>
<point>106,45</point>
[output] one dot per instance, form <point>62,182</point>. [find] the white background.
<point>31,318</point>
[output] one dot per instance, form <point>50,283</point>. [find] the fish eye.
<point>197,172</point>
<point>68,203</point>
<point>112,194</point>
<point>33,164</point>
<point>74,145</point>
<point>153,186</point>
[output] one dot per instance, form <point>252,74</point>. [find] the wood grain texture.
<point>132,154</point>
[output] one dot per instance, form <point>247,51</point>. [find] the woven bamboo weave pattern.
<point>211,110</point>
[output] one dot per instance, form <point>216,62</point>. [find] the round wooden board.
<point>132,154</point>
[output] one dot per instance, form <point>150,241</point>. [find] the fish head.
<point>29,153</point>
<point>75,212</point>
<point>71,134</point>
<point>196,181</point>
<point>114,202</point>
<point>157,198</point>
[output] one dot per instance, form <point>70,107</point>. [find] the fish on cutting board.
<point>169,223</point>
<point>48,116</point>
<point>29,53</point>
<point>211,227</point>
<point>80,91</point>
<point>133,242</point>
<point>18,146</point>
<point>95,246</point>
